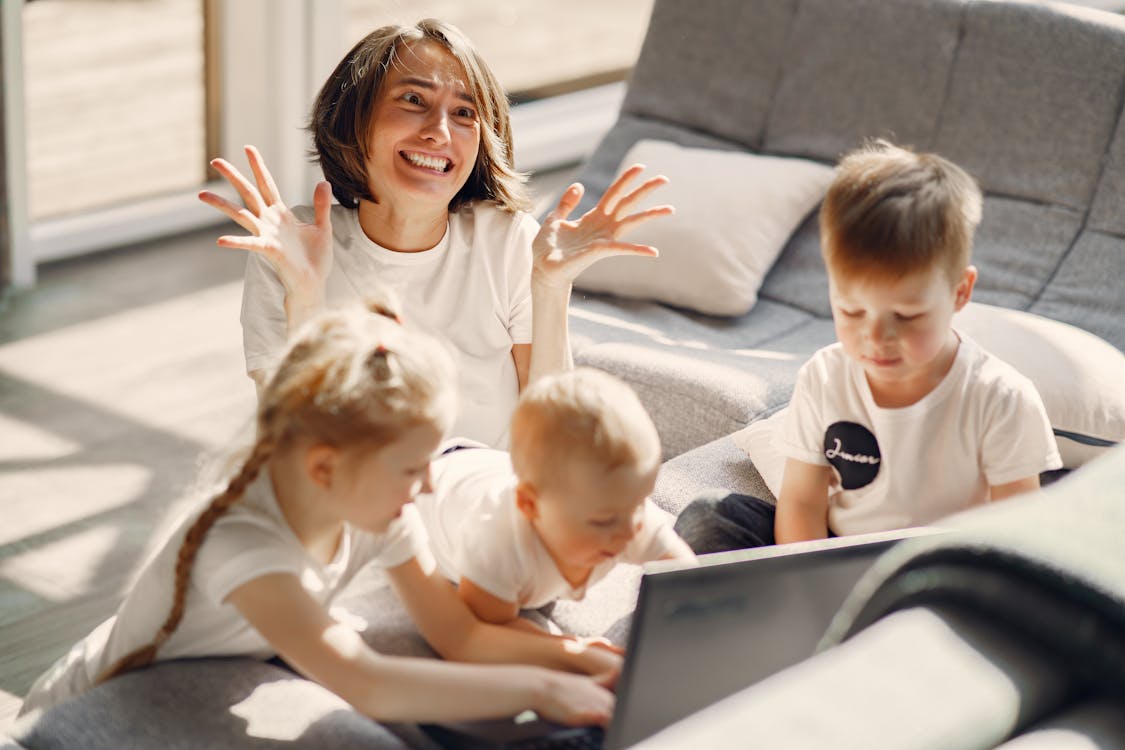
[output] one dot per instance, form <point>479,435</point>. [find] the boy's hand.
<point>575,700</point>
<point>564,248</point>
<point>300,253</point>
<point>597,656</point>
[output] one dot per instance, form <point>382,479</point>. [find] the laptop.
<point>701,633</point>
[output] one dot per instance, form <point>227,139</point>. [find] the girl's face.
<point>900,331</point>
<point>371,486</point>
<point>425,132</point>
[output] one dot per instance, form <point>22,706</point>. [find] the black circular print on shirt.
<point>854,452</point>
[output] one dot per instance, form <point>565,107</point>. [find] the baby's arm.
<point>802,506</point>
<point>1010,489</point>
<point>486,606</point>
<point>390,688</point>
<point>453,630</point>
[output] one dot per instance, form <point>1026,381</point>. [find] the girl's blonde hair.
<point>342,114</point>
<point>350,378</point>
<point>890,212</point>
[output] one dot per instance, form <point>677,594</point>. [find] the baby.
<point>568,504</point>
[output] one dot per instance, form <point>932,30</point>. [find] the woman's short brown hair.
<point>341,117</point>
<point>891,211</point>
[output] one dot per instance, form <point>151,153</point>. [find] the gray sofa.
<point>1026,96</point>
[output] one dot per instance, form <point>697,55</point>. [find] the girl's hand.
<point>574,700</point>
<point>300,253</point>
<point>563,248</point>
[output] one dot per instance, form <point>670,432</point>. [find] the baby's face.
<point>900,331</point>
<point>592,514</point>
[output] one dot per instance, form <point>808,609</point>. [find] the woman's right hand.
<point>300,253</point>
<point>575,700</point>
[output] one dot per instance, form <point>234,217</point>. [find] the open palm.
<point>564,248</point>
<point>301,253</point>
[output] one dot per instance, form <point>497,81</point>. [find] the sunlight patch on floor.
<point>27,442</point>
<point>65,568</point>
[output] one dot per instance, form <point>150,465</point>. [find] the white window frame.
<point>273,56</point>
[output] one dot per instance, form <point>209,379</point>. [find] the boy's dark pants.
<point>717,521</point>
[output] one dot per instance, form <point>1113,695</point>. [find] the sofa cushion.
<point>1017,248</point>
<point>1105,213</point>
<point>699,377</point>
<point>1034,98</point>
<point>720,78</point>
<point>734,212</point>
<point>1087,289</point>
<point>830,99</point>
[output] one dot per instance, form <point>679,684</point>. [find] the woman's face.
<point>425,130</point>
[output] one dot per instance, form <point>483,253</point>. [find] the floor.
<point>119,374</point>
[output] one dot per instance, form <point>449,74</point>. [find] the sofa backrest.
<point>1025,95</point>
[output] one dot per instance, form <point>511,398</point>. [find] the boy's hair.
<point>890,212</point>
<point>341,117</point>
<point>350,378</point>
<point>585,415</point>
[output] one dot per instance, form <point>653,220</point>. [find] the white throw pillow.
<point>1080,377</point>
<point>734,213</point>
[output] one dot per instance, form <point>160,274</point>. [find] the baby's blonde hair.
<point>584,415</point>
<point>350,378</point>
<point>890,212</point>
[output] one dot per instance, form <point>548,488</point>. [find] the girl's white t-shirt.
<point>250,540</point>
<point>473,289</point>
<point>983,425</point>
<point>477,532</point>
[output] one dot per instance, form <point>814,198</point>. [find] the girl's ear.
<point>320,464</point>
<point>964,290</point>
<point>527,500</point>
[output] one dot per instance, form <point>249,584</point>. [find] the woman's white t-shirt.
<point>984,424</point>
<point>250,540</point>
<point>473,289</point>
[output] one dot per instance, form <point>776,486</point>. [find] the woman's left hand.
<point>564,248</point>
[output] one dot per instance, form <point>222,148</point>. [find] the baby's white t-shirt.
<point>472,289</point>
<point>250,540</point>
<point>984,424</point>
<point>477,532</point>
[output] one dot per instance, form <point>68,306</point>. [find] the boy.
<point>904,420</point>
<point>567,506</point>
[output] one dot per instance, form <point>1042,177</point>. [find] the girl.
<point>412,132</point>
<point>345,430</point>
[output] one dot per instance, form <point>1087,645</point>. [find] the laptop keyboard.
<point>570,739</point>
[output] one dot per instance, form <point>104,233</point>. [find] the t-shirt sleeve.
<point>802,435</point>
<point>494,561</point>
<point>236,552</point>
<point>657,538</point>
<point>524,229</point>
<point>1018,441</point>
<point>405,538</point>
<point>264,324</point>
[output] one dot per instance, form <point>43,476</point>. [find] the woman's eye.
<point>465,113</point>
<point>412,98</point>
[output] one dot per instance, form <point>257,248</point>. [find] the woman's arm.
<point>563,249</point>
<point>390,688</point>
<point>802,505</point>
<point>1010,489</point>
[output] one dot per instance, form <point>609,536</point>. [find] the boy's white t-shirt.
<point>250,540</point>
<point>473,290</point>
<point>477,532</point>
<point>983,425</point>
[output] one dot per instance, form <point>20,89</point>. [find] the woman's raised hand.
<point>564,248</point>
<point>300,253</point>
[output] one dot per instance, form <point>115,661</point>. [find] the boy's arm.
<point>1009,489</point>
<point>486,606</point>
<point>802,506</point>
<point>391,688</point>
<point>451,628</point>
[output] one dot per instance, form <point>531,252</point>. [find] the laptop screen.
<point>702,633</point>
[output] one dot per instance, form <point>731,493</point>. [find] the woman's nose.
<point>437,127</point>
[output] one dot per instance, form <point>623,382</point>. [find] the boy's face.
<point>425,131</point>
<point>591,515</point>
<point>899,330</point>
